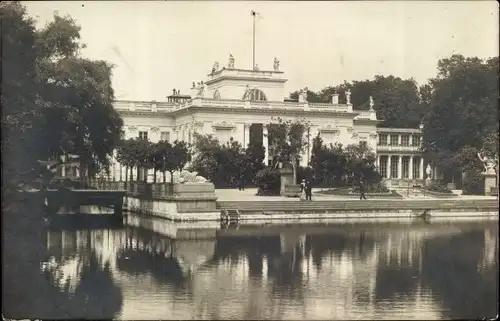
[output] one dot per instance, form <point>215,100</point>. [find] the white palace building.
<point>232,101</point>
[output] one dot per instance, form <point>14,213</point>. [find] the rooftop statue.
<point>215,67</point>
<point>230,64</point>
<point>201,90</point>
<point>276,64</point>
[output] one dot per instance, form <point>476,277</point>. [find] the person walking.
<point>362,189</point>
<point>241,182</point>
<point>308,190</point>
<point>303,194</point>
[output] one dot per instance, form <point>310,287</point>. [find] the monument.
<point>428,172</point>
<point>490,174</point>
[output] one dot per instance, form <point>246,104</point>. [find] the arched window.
<point>255,94</point>
<point>217,95</point>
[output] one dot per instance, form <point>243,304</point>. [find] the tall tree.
<point>397,101</point>
<point>463,110</point>
<point>287,141</point>
<point>54,102</point>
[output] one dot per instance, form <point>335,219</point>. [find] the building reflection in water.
<point>334,273</point>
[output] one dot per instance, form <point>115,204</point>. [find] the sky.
<point>157,46</point>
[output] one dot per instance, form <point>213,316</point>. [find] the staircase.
<point>230,215</point>
<point>286,207</point>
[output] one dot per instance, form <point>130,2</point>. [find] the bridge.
<point>78,197</point>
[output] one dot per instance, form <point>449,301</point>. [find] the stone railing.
<point>149,190</point>
<point>222,103</point>
<point>136,188</point>
<point>142,105</point>
<point>396,148</point>
<point>246,73</point>
<point>227,103</point>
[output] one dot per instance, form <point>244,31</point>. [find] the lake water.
<point>154,269</point>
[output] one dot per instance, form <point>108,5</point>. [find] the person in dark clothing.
<point>362,189</point>
<point>308,191</point>
<point>241,183</point>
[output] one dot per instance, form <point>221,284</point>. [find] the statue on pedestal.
<point>371,103</point>
<point>304,92</point>
<point>188,177</point>
<point>428,171</point>
<point>230,64</point>
<point>276,65</point>
<point>348,96</point>
<point>489,165</point>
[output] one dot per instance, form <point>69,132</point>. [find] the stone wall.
<point>190,201</point>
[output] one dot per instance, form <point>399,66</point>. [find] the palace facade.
<point>231,102</point>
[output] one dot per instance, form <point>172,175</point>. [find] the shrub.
<point>473,183</point>
<point>268,182</point>
<point>378,187</point>
<point>438,186</point>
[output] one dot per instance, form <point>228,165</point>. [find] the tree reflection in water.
<point>357,270</point>
<point>450,268</point>
<point>32,292</point>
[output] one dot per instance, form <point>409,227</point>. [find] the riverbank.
<point>276,209</point>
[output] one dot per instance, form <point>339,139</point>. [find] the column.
<point>246,135</point>
<point>377,165</point>
<point>399,140</point>
<point>389,166</point>
<point>421,174</point>
<point>265,143</point>
<point>400,165</point>
<point>410,165</point>
<point>410,142</point>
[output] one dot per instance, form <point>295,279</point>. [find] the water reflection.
<point>162,270</point>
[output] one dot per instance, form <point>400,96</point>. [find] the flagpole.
<point>253,47</point>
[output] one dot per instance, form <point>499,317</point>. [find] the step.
<point>408,204</point>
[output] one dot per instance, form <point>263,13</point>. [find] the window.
<point>143,135</point>
<point>394,140</point>
<point>383,166</point>
<point>405,140</point>
<point>406,167</point>
<point>416,167</point>
<point>217,95</point>
<point>382,139</point>
<point>416,140</point>
<point>394,167</point>
<point>255,95</point>
<point>165,136</point>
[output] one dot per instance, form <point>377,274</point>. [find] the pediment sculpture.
<point>224,125</point>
